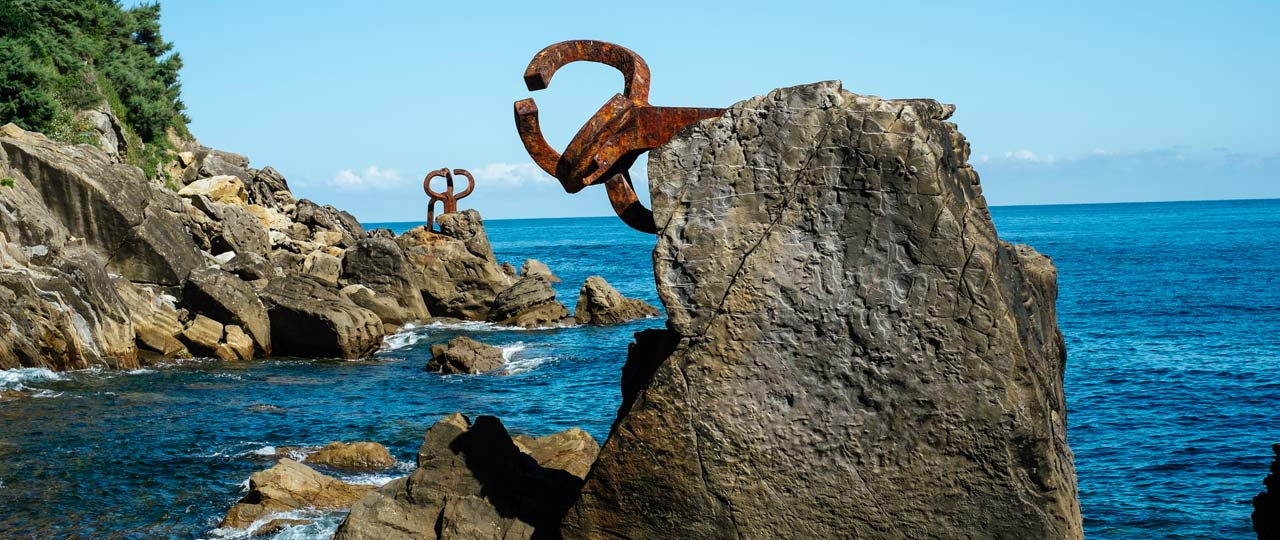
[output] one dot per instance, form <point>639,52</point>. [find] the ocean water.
<point>1170,311</point>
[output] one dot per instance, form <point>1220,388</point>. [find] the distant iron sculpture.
<point>611,141</point>
<point>449,199</point>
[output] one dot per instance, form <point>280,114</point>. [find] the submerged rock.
<point>287,486</point>
<point>464,355</point>
<point>312,320</point>
<point>472,481</point>
<point>530,303</point>
<point>357,456</point>
<point>600,303</point>
<point>852,351</point>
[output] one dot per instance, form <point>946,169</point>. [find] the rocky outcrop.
<point>473,481</point>
<point>600,303</point>
<point>530,303</point>
<point>454,269</point>
<point>380,265</point>
<point>312,320</point>
<point>227,299</point>
<point>463,355</point>
<point>534,267</point>
<point>362,455</point>
<point>852,351</point>
<point>290,486</point>
<point>1266,505</point>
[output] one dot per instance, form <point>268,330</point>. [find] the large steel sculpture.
<point>606,147</point>
<point>449,199</point>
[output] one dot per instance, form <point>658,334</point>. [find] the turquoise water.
<point>1170,313</point>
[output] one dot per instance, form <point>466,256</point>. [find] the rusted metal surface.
<point>614,137</point>
<point>449,199</point>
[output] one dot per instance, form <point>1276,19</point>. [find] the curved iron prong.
<point>530,131</point>
<point>471,183</point>
<point>635,72</point>
<point>426,182</point>
<point>622,195</point>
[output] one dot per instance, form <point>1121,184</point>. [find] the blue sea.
<point>1171,313</point>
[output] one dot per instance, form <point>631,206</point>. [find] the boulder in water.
<point>530,303</point>
<point>362,455</point>
<point>464,355</point>
<point>454,269</point>
<point>1266,505</point>
<point>287,486</point>
<point>600,303</point>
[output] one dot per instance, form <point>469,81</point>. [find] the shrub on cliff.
<point>58,57</point>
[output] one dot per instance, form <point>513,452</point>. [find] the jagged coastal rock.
<point>290,485</point>
<point>101,267</point>
<point>474,481</point>
<point>600,303</point>
<point>363,455</point>
<point>1266,505</point>
<point>464,355</point>
<point>852,351</point>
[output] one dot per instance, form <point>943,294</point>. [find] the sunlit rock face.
<point>852,351</point>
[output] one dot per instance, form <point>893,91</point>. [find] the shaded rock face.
<point>530,303</point>
<point>852,351</point>
<point>472,481</point>
<point>1266,505</point>
<point>226,298</point>
<point>380,265</point>
<point>464,355</point>
<point>290,486</point>
<point>600,303</point>
<point>312,320</point>
<point>455,269</point>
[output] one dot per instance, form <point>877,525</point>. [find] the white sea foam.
<point>140,371</point>
<point>401,340</point>
<point>13,379</point>
<point>264,451</point>
<point>510,350</point>
<point>323,525</point>
<point>400,469</point>
<point>525,365</point>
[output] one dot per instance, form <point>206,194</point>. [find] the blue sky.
<point>1086,102</point>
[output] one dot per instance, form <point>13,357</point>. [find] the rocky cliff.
<point>852,351</point>
<point>99,266</point>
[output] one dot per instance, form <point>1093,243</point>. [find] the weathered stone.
<point>67,312</point>
<point>1266,505</point>
<point>316,217</point>
<point>312,320</point>
<point>238,343</point>
<point>509,270</point>
<point>220,163</point>
<point>472,481</point>
<point>464,355</point>
<point>203,335</point>
<point>269,218</point>
<point>231,228</point>
<point>226,298</point>
<point>600,303</point>
<point>277,526</point>
<point>572,450</point>
<point>220,189</point>
<point>111,139</point>
<point>140,230</point>
<point>852,353</point>
<point>530,302</point>
<point>457,275</point>
<point>380,265</point>
<point>386,308</point>
<point>155,319</point>
<point>323,267</point>
<point>264,187</point>
<point>534,267</point>
<point>290,486</point>
<point>356,456</point>
<point>249,266</point>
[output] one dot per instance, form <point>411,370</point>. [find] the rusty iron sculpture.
<point>611,141</point>
<point>449,199</point>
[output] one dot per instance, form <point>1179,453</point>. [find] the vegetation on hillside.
<point>58,57</point>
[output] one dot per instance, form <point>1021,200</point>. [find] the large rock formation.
<point>310,319</point>
<point>530,302</point>
<point>474,482</point>
<point>852,351</point>
<point>455,268</point>
<point>600,303</point>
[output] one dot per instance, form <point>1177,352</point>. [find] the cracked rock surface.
<point>852,352</point>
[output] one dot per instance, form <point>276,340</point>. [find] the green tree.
<point>24,88</point>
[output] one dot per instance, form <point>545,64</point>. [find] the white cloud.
<point>372,177</point>
<point>511,175</point>
<point>1029,156</point>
